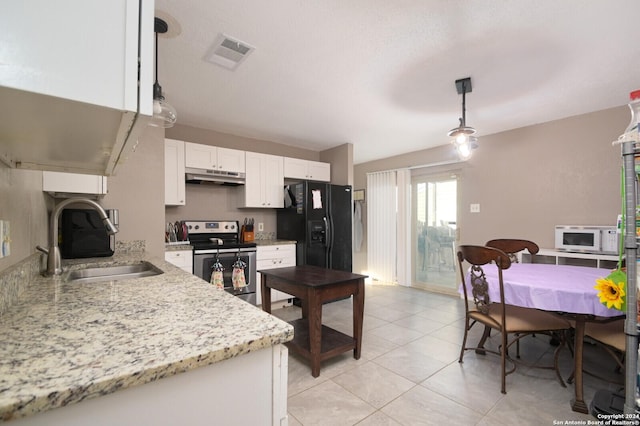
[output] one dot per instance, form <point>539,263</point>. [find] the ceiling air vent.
<point>228,52</point>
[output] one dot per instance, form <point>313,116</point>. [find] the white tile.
<point>328,404</point>
<point>421,406</point>
<point>409,371</point>
<point>374,384</point>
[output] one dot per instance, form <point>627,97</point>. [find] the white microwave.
<point>587,239</point>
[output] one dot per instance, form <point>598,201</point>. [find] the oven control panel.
<point>211,227</point>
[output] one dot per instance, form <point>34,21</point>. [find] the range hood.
<point>216,177</point>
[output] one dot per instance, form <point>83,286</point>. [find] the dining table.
<point>565,290</point>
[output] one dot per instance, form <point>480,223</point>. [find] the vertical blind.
<point>388,225</point>
<point>403,233</point>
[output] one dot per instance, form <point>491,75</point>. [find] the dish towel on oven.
<point>237,277</point>
<point>217,277</point>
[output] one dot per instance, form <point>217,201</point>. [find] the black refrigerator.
<point>318,216</point>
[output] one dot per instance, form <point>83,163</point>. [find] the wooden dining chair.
<point>511,322</point>
<point>513,246</point>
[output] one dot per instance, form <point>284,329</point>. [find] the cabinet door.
<point>231,160</point>
<point>270,257</point>
<point>252,190</point>
<point>86,51</point>
<point>59,183</point>
<point>294,168</point>
<point>174,183</point>
<point>319,171</point>
<point>200,156</point>
<point>183,259</point>
<point>273,175</point>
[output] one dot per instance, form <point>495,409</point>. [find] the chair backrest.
<point>477,287</point>
<point>513,246</point>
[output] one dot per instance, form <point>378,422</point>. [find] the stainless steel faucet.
<point>54,262</point>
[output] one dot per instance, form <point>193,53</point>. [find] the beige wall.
<point>137,190</point>
<point>528,180</point>
<point>341,159</point>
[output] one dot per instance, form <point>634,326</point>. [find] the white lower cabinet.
<point>271,257</point>
<point>183,259</point>
<point>215,394</point>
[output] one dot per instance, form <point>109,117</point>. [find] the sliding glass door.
<point>433,233</point>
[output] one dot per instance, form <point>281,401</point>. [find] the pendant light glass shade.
<point>164,114</point>
<point>462,136</point>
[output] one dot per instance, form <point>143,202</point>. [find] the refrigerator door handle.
<point>328,232</point>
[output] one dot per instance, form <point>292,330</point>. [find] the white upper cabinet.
<point>60,184</point>
<point>264,182</point>
<point>214,158</point>
<point>76,82</point>
<point>295,168</point>
<point>174,184</point>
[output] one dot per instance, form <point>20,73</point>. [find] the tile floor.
<point>409,372</point>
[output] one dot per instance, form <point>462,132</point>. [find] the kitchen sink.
<point>98,274</point>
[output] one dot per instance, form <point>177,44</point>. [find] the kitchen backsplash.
<point>15,279</point>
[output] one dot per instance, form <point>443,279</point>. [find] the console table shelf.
<point>555,257</point>
<point>333,342</point>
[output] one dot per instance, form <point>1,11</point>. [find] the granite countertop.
<point>66,342</point>
<point>178,246</point>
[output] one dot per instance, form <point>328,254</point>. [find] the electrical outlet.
<point>474,208</point>
<point>260,227</point>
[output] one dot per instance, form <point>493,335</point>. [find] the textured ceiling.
<point>380,73</point>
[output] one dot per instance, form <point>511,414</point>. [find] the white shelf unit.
<point>555,257</point>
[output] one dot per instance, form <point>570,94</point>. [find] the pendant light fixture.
<point>164,115</point>
<point>462,137</point>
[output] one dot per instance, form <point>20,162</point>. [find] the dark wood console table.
<point>314,286</point>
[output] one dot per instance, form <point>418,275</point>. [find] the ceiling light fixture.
<point>164,115</point>
<point>462,136</point>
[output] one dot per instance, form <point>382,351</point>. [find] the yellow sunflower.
<point>611,290</point>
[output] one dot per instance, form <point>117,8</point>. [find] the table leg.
<point>578,403</point>
<point>483,339</point>
<point>358,314</point>
<point>314,307</point>
<point>266,294</point>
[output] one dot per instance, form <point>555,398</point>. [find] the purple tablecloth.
<point>561,288</point>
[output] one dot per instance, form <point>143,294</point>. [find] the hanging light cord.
<point>463,121</point>
<point>156,82</point>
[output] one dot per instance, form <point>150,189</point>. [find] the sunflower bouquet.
<point>611,290</point>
